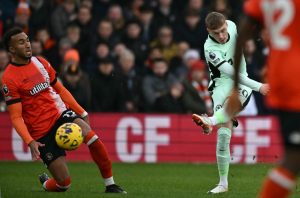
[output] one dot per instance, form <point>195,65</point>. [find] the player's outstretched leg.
<point>204,122</point>
<point>223,160</point>
<point>207,123</point>
<point>100,156</point>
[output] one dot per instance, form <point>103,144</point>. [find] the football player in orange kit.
<point>281,18</point>
<point>38,104</point>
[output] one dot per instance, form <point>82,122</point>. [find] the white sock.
<point>223,181</point>
<point>213,120</point>
<point>109,181</point>
<point>220,117</point>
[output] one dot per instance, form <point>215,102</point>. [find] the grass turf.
<point>19,179</point>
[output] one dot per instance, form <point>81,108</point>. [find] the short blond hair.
<point>214,20</point>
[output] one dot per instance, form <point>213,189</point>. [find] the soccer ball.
<point>69,136</point>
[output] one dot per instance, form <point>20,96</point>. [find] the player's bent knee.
<point>84,126</point>
<point>226,125</point>
<point>64,185</point>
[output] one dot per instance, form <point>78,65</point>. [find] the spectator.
<point>100,9</point>
<point>61,16</point>
<point>154,53</point>
<point>164,14</point>
<point>37,48</point>
<point>78,42</point>
<point>177,66</point>
<point>115,15</point>
<point>196,5</point>
<point>8,11</point>
<point>199,6</point>
<point>22,16</point>
<point>157,84</point>
<point>172,101</point>
<point>105,34</point>
<point>130,83</point>
<point>133,41</point>
<point>192,30</point>
<point>75,80</point>
<point>222,6</point>
<point>165,43</point>
<point>146,19</point>
<point>118,50</point>
<point>49,46</point>
<point>132,9</point>
<point>4,60</point>
<point>88,4</point>
<point>84,21</point>
<point>198,99</point>
<point>102,52</point>
<point>39,17</point>
<point>189,57</point>
<point>64,45</point>
<point>105,88</point>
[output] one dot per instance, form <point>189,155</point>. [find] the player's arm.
<point>67,97</point>
<point>243,79</point>
<point>14,106</point>
<point>217,60</point>
<point>15,113</point>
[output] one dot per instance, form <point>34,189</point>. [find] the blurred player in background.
<point>219,52</point>
<point>281,18</point>
<point>38,104</point>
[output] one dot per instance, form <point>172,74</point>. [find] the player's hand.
<point>233,105</point>
<point>34,148</point>
<point>264,89</point>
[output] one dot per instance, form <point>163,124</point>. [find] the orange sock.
<point>99,154</point>
<point>52,186</point>
<point>279,184</point>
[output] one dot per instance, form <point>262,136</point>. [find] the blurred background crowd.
<point>129,55</point>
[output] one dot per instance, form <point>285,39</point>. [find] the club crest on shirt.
<point>49,156</point>
<point>5,89</point>
<point>212,55</point>
<point>218,107</point>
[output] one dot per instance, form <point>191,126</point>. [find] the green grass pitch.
<point>19,180</point>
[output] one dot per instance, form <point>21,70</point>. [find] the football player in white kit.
<point>219,53</point>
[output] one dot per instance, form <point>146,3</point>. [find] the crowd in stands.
<point>128,55</point>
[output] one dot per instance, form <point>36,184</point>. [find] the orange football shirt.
<point>282,21</point>
<point>30,84</point>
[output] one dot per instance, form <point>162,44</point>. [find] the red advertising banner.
<point>152,138</point>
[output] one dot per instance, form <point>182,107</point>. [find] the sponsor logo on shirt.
<point>38,88</point>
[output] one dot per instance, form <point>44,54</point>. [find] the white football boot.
<point>204,122</point>
<point>218,189</point>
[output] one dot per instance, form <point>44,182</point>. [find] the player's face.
<point>220,34</point>
<point>20,46</point>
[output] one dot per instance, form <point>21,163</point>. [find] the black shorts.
<point>51,151</point>
<point>290,128</point>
